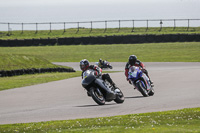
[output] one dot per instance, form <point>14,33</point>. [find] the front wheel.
<point>119,96</point>
<point>151,93</point>
<point>97,96</point>
<point>110,67</point>
<point>142,89</point>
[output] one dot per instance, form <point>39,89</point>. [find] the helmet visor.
<point>82,66</point>
<point>132,62</point>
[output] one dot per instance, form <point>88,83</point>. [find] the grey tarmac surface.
<point>177,86</point>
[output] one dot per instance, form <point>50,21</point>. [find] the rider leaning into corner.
<point>101,62</point>
<point>133,61</point>
<point>85,65</point>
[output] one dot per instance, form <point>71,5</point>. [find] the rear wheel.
<point>97,96</point>
<point>142,89</point>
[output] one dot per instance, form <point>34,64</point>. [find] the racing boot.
<point>114,85</point>
<point>107,77</point>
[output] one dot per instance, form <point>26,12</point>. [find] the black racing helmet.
<point>132,59</point>
<point>84,64</point>
<point>100,61</point>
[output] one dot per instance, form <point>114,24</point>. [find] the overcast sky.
<point>83,2</point>
<point>90,10</point>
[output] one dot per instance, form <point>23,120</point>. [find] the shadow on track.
<point>134,97</point>
<point>96,105</point>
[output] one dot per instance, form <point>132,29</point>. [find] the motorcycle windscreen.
<point>134,73</point>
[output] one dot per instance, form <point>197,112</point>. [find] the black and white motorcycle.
<point>101,91</point>
<point>104,65</point>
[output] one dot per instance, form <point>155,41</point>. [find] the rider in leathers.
<point>133,61</point>
<point>84,65</point>
<point>101,63</point>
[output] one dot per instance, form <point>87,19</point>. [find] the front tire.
<point>151,93</point>
<point>119,97</point>
<point>142,89</point>
<point>97,96</point>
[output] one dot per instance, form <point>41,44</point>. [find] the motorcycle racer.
<point>133,61</point>
<point>101,62</point>
<point>84,65</point>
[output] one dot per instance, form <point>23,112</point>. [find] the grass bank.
<point>147,52</point>
<point>25,62</point>
<point>85,32</point>
<point>184,120</point>
<point>27,80</point>
<point>20,61</point>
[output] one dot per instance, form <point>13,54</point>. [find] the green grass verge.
<point>84,32</point>
<point>27,80</point>
<point>184,120</point>
<point>147,52</point>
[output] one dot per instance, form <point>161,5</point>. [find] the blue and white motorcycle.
<point>140,81</point>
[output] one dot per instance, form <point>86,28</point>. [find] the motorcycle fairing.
<point>88,80</point>
<point>146,80</point>
<point>135,74</point>
<point>109,93</point>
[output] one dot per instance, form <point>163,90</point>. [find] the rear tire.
<point>142,89</point>
<point>97,96</point>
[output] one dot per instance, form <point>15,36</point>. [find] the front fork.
<point>132,82</point>
<point>144,85</point>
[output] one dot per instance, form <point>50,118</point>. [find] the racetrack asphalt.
<point>177,86</point>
